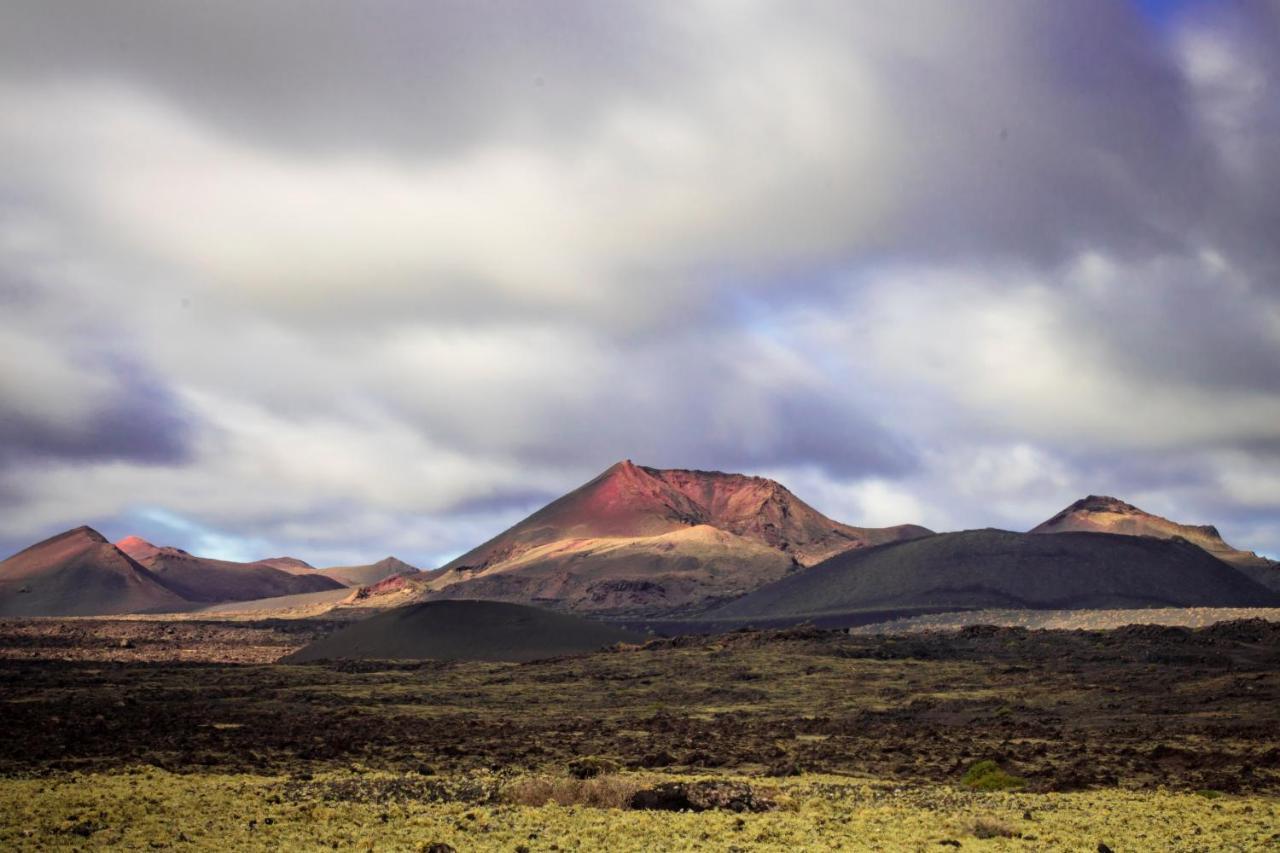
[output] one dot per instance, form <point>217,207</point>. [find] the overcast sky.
<point>342,280</point>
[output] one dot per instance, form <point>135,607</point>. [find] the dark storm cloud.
<point>139,421</point>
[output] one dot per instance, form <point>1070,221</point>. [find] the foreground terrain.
<point>1140,737</point>
<point>151,809</point>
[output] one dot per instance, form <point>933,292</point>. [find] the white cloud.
<point>984,258</point>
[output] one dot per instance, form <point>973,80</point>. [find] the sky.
<point>343,280</point>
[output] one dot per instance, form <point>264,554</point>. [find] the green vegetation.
<point>987,776</point>
<point>146,808</point>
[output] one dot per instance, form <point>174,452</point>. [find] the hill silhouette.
<point>464,630</point>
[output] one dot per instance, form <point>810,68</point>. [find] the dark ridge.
<point>994,568</point>
<point>465,630</point>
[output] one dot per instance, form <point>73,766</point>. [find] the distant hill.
<point>998,569</point>
<point>369,574</point>
<point>288,564</point>
<point>1102,514</point>
<point>80,573</point>
<point>465,630</point>
<point>200,579</point>
<point>638,539</point>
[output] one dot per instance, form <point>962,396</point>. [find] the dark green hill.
<point>996,568</point>
<point>465,630</point>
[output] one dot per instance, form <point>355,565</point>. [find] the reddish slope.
<point>628,500</point>
<point>644,540</point>
<point>1102,514</point>
<point>80,573</point>
<point>206,580</point>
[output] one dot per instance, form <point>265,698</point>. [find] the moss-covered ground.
<point>150,809</point>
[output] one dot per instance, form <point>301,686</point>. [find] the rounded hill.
<point>995,568</point>
<point>465,630</point>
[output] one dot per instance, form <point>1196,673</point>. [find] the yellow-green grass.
<point>150,808</point>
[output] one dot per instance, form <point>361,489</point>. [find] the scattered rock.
<point>701,796</point>
<point>591,766</point>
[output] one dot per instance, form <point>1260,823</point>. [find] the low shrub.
<point>610,791</point>
<point>987,776</point>
<point>991,827</point>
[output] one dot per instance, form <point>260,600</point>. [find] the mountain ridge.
<point>204,579</point>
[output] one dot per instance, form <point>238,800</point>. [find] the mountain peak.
<point>84,535</point>
<point>1103,503</point>
<point>138,548</point>
<point>85,531</point>
<point>629,500</point>
<point>1103,514</point>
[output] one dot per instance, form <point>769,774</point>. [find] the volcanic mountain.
<point>465,630</point>
<point>203,579</point>
<point>976,569</point>
<point>367,575</point>
<point>637,539</point>
<point>1101,514</point>
<point>80,573</point>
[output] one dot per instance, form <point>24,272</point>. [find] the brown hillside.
<point>80,573</point>
<point>207,580</point>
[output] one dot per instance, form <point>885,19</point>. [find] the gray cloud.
<point>140,423</point>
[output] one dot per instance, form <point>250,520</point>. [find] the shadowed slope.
<point>1102,514</point>
<point>202,579</point>
<point>995,568</point>
<point>465,630</point>
<point>80,573</point>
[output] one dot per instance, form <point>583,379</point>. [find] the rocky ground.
<point>1136,708</point>
<point>140,640</point>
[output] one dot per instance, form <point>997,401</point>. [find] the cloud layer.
<point>346,280</point>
